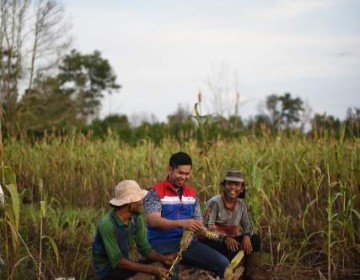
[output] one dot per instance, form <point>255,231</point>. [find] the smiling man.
<point>227,213</point>
<point>114,256</point>
<point>172,206</point>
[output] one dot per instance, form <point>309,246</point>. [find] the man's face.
<point>233,189</point>
<point>135,207</point>
<point>178,176</point>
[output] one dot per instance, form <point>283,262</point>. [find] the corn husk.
<point>233,269</point>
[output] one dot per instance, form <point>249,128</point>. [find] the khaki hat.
<point>234,176</point>
<point>127,191</point>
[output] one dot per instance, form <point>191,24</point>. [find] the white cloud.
<point>272,45</point>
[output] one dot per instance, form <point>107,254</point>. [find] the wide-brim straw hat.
<point>127,191</point>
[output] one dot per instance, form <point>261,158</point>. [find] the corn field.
<point>303,194</point>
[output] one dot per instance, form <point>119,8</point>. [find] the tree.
<point>284,111</point>
<point>117,124</point>
<point>272,105</point>
<point>48,40</point>
<point>64,101</point>
<point>180,124</point>
<point>321,123</point>
<point>259,124</point>
<point>30,31</point>
<point>12,14</point>
<point>290,109</point>
<point>181,115</point>
<point>235,123</point>
<point>352,121</point>
<point>47,107</point>
<point>87,77</point>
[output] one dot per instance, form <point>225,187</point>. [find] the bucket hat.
<point>127,191</point>
<point>234,176</point>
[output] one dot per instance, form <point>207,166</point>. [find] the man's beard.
<point>134,211</point>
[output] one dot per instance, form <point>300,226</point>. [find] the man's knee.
<point>255,242</point>
<point>205,257</point>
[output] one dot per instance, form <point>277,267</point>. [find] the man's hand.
<point>159,271</point>
<point>246,243</point>
<point>191,224</point>
<point>231,244</point>
<point>169,259</point>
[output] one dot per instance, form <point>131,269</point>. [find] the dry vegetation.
<point>303,194</point>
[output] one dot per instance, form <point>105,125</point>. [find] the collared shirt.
<point>165,199</point>
<point>109,243</point>
<point>227,221</point>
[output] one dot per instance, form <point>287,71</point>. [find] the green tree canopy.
<point>69,99</point>
<point>87,77</point>
<point>47,107</point>
<point>284,110</point>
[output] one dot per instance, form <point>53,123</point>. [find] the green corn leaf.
<point>15,203</point>
<point>54,247</point>
<point>43,208</point>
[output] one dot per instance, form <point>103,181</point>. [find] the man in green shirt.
<point>121,231</point>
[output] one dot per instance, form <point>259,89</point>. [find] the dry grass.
<point>303,193</point>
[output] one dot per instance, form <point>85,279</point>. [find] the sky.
<point>164,52</point>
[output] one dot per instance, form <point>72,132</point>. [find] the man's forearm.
<point>163,223</point>
<point>155,256</point>
<point>135,266</point>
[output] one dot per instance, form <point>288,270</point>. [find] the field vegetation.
<point>303,193</point>
<point>59,161</point>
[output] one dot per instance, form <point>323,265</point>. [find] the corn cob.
<point>209,234</point>
<point>185,241</point>
<point>238,272</point>
<point>233,270</point>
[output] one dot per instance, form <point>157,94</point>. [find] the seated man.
<point>117,231</point>
<point>225,213</point>
<point>172,206</point>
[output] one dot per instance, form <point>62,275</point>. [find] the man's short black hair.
<point>180,158</point>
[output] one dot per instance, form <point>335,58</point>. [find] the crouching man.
<point>226,213</point>
<point>121,235</point>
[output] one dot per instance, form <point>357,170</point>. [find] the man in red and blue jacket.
<point>172,206</point>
